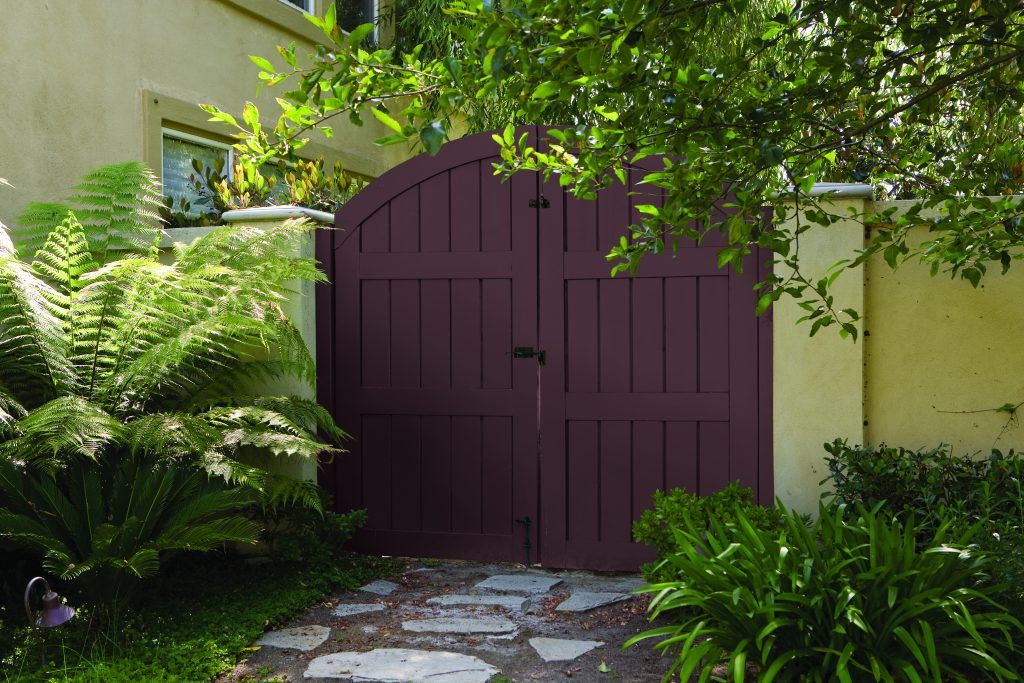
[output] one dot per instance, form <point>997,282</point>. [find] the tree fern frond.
<point>64,427</point>
<point>33,343</point>
<point>119,208</point>
<point>300,411</point>
<point>35,223</point>
<point>10,412</point>
<point>170,435</point>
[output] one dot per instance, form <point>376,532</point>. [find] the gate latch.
<point>529,352</point>
<point>542,203</point>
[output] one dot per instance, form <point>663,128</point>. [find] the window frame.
<point>309,6</point>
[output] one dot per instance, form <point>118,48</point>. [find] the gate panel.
<point>431,290</point>
<point>438,272</point>
<point>652,381</point>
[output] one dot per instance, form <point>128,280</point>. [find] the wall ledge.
<point>276,213</point>
<point>835,190</point>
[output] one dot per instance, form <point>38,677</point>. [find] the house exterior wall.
<point>91,82</point>
<point>934,351</point>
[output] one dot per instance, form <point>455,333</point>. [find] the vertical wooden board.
<point>466,472</point>
<point>648,335</point>
<point>374,233</point>
<point>436,459</point>
<point>375,310</point>
<point>435,334</point>
<point>681,334</point>
<point>376,451</point>
<point>648,463</point>
<point>743,376</point>
<point>466,334</point>
<point>612,216</point>
<point>614,335</point>
<point>405,221</point>
<point>434,214</point>
<point>713,467</point>
<point>497,334</point>
<point>580,225</point>
<point>581,352</point>
<point>765,466</point>
<point>405,333</point>
<point>465,207</point>
<point>616,481</point>
<point>713,333</point>
<point>583,482</point>
<point>496,214</point>
<point>496,452</point>
<point>681,456</point>
<point>405,473</point>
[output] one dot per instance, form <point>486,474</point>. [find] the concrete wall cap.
<point>855,190</point>
<point>274,213</point>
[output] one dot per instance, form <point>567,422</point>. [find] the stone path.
<point>466,622</point>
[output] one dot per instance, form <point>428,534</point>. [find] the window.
<point>304,5</point>
<point>352,13</point>
<point>179,149</point>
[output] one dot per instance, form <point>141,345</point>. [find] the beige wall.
<point>934,350</point>
<point>89,82</point>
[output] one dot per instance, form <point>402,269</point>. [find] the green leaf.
<point>262,63</point>
<point>433,136</point>
<point>545,90</point>
<point>590,58</point>
<point>386,119</point>
<point>359,34</point>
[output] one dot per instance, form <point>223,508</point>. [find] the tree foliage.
<point>921,98</point>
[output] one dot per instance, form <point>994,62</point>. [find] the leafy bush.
<point>672,509</point>
<point>121,374</point>
<point>846,599</point>
<point>936,486</point>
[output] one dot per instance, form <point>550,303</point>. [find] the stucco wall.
<point>933,351</point>
<point>89,82</point>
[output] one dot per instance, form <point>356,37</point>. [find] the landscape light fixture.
<point>54,613</point>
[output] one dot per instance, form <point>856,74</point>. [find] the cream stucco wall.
<point>933,352</point>
<point>817,381</point>
<point>89,82</point>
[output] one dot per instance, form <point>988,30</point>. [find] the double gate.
<point>503,392</point>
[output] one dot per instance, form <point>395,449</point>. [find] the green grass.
<point>192,623</point>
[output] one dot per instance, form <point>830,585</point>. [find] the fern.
<point>125,430</point>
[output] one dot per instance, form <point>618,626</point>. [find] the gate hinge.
<point>542,203</point>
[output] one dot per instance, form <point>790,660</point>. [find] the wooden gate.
<point>446,285</point>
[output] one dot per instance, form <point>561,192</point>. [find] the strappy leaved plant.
<point>110,358</point>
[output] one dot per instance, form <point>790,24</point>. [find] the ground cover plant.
<point>672,508</point>
<point>129,421</point>
<point>854,597</point>
<point>193,621</point>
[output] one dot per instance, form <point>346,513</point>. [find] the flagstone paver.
<point>584,601</point>
<point>360,608</point>
<point>400,665</point>
<point>461,625</point>
<point>519,583</point>
<point>466,622</point>
<point>303,638</point>
<point>380,587</point>
<point>509,602</point>
<point>562,650</point>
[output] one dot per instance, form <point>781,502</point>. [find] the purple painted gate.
<point>441,278</point>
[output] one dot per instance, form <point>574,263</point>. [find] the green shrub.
<point>842,600</point>
<point>936,486</point>
<point>672,509</point>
